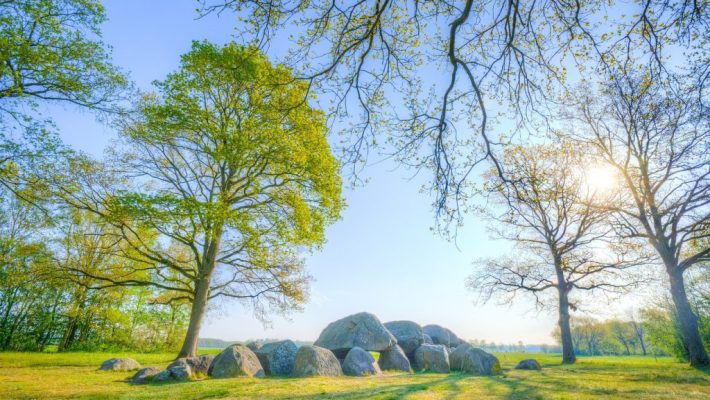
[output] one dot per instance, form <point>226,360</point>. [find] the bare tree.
<point>561,239</point>
<point>639,330</point>
<point>367,54</point>
<point>657,136</point>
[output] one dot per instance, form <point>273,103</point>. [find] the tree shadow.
<point>401,391</point>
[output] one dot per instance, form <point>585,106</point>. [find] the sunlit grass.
<point>75,375</point>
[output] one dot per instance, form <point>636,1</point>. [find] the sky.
<point>381,257</point>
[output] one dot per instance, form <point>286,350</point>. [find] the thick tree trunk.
<point>197,314</point>
<point>568,356</point>
<point>199,303</point>
<point>687,319</point>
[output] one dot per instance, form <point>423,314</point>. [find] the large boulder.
<point>236,360</point>
<point>198,365</point>
<point>120,364</point>
<point>432,358</point>
<point>315,361</point>
<point>409,335</point>
<point>178,373</point>
<point>359,362</point>
<point>394,359</point>
<point>441,335</point>
<point>145,375</point>
<point>254,346</point>
<point>471,360</point>
<point>362,330</point>
<point>529,363</point>
<point>427,339</point>
<point>277,358</point>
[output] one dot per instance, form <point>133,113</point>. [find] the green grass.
<point>75,375</point>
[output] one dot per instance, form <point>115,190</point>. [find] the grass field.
<point>75,375</point>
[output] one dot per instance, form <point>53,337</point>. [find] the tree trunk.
<point>687,319</point>
<point>568,356</point>
<point>642,343</point>
<point>199,303</point>
<point>197,314</point>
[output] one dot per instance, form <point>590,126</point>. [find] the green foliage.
<point>50,50</point>
<point>662,323</point>
<point>230,167</point>
<point>42,303</point>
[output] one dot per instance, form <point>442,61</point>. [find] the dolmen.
<point>344,347</point>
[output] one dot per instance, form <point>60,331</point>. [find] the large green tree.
<point>231,171</point>
<point>50,52</point>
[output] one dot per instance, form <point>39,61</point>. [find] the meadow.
<point>76,375</point>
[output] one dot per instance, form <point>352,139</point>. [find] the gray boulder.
<point>362,330</point>
<point>409,335</point>
<point>471,360</point>
<point>427,339</point>
<point>178,373</point>
<point>529,363</point>
<point>198,364</point>
<point>144,375</point>
<point>394,359</point>
<point>315,361</point>
<point>120,364</point>
<point>359,362</point>
<point>277,358</point>
<point>441,335</point>
<point>254,346</point>
<point>236,360</point>
<point>432,358</point>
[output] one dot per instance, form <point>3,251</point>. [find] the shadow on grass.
<point>450,384</point>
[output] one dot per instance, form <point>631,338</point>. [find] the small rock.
<point>426,339</point>
<point>236,360</point>
<point>529,363</point>
<point>394,359</point>
<point>178,373</point>
<point>432,358</point>
<point>359,362</point>
<point>198,365</point>
<point>120,364</point>
<point>315,361</point>
<point>162,376</point>
<point>145,375</point>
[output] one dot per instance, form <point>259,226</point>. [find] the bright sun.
<point>600,179</point>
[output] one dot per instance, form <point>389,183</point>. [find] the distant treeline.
<point>655,331</point>
<point>42,304</point>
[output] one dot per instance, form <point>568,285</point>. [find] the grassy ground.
<point>75,375</point>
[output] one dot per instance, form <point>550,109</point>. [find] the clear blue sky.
<point>381,257</point>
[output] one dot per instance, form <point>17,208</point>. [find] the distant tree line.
<point>42,306</point>
<point>654,330</point>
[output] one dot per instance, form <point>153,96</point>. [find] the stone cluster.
<point>344,347</point>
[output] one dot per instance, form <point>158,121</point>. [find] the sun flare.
<point>600,179</point>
